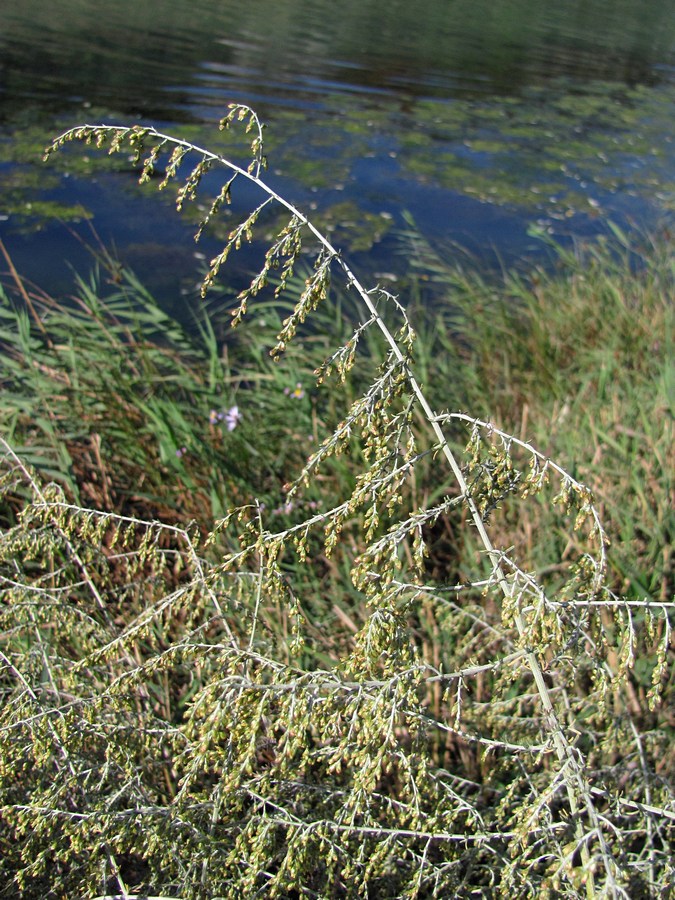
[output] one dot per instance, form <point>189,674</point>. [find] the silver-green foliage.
<point>173,725</point>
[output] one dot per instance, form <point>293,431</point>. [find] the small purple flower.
<point>296,393</point>
<point>232,418</point>
<point>181,451</point>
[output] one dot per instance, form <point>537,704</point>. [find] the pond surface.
<point>474,119</point>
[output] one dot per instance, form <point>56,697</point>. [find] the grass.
<point>127,410</point>
<point>579,362</point>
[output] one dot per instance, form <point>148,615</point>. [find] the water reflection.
<point>477,116</point>
<point>127,54</point>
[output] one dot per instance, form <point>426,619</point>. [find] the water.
<point>473,119</point>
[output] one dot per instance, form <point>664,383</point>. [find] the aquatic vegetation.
<point>561,152</point>
<point>316,700</point>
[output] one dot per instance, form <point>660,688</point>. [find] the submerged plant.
<point>180,719</point>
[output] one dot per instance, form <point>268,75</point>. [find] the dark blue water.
<point>474,120</point>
